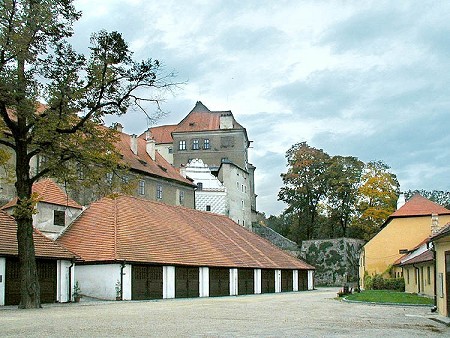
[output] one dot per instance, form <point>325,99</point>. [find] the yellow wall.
<point>441,246</point>
<point>419,278</point>
<point>400,233</point>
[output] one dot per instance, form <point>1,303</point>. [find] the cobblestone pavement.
<point>298,314</point>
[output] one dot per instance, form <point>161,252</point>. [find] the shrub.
<point>377,282</point>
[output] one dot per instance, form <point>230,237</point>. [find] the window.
<point>159,192</point>
<point>200,186</point>
<point>195,144</point>
<point>141,187</point>
<point>125,179</point>
<point>109,178</point>
<point>182,145</point>
<point>428,275</point>
<point>181,197</point>
<point>243,204</point>
<point>59,218</point>
<point>170,150</point>
<point>206,144</point>
<point>407,276</point>
<point>208,208</point>
<point>237,185</point>
<point>224,159</point>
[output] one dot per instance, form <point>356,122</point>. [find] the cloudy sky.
<point>369,79</point>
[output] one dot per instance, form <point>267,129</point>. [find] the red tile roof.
<point>44,247</point>
<point>137,230</point>
<point>425,256</point>
<point>419,206</point>
<point>202,119</point>
<point>161,134</point>
<point>49,192</point>
<point>144,163</point>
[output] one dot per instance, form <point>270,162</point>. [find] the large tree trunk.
<point>29,283</point>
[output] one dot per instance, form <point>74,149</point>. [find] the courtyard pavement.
<point>296,314</point>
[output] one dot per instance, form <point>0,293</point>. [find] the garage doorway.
<point>147,282</point>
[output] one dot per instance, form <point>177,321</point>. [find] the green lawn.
<point>386,296</point>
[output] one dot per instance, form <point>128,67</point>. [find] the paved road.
<point>299,314</point>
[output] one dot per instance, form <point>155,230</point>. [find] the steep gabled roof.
<point>145,164</point>
<point>49,192</point>
<point>137,230</point>
<point>44,247</point>
<point>419,206</point>
<point>201,118</point>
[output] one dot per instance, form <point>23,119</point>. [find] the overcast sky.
<point>369,79</point>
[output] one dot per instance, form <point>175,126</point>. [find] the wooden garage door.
<point>219,282</point>
<point>246,282</point>
<point>47,281</point>
<point>267,281</point>
<point>186,282</point>
<point>147,282</point>
<point>302,280</point>
<point>287,283</point>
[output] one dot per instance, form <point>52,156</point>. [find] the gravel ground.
<point>298,314</point>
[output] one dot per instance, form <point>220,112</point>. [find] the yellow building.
<point>400,233</point>
<point>417,268</point>
<point>441,243</point>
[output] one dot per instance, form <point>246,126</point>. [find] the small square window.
<point>181,197</point>
<point>59,217</point>
<point>199,186</point>
<point>195,144</point>
<point>170,150</point>
<point>208,208</point>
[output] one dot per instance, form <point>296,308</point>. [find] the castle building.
<point>216,138</point>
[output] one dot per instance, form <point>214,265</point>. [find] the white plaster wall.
<point>63,292</point>
<point>295,280</point>
<point>277,280</point>
<point>43,220</point>
<point>310,279</point>
<point>168,282</point>
<point>217,200</point>
<point>2,281</point>
<point>204,281</point>
<point>234,282</point>
<point>98,280</point>
<point>126,282</point>
<point>257,286</point>
<point>163,150</point>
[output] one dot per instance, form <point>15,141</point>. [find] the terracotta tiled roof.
<point>425,256</point>
<point>44,247</point>
<point>202,119</point>
<point>161,134</point>
<point>144,163</point>
<point>136,230</point>
<point>49,192</point>
<point>419,206</point>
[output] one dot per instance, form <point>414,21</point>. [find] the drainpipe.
<point>122,266</point>
<point>418,277</point>
<point>435,275</point>
<point>70,282</point>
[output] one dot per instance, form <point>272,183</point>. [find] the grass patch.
<point>386,296</point>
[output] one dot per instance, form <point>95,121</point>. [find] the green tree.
<point>379,193</point>
<point>37,63</point>
<point>344,178</point>
<point>305,184</point>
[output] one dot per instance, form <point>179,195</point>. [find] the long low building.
<point>133,248</point>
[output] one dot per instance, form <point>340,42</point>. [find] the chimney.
<point>434,224</point>
<point>226,121</point>
<point>133,144</point>
<point>401,201</point>
<point>117,126</point>
<point>150,148</point>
